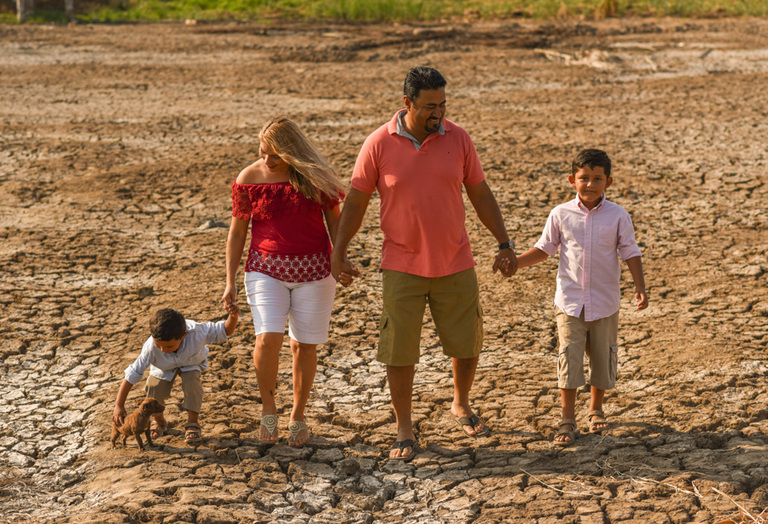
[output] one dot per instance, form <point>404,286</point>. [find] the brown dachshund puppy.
<point>138,422</point>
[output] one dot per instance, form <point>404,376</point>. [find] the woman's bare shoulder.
<point>253,174</point>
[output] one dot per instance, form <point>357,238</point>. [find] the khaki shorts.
<point>454,302</point>
<point>191,385</point>
<point>598,339</point>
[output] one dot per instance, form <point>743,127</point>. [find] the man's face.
<point>427,111</point>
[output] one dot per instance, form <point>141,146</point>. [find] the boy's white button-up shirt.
<point>591,243</point>
<point>192,353</point>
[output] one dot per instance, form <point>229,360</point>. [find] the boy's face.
<point>168,346</point>
<point>590,184</point>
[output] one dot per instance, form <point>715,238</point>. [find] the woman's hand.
<point>229,297</point>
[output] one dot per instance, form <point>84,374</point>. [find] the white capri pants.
<point>306,305</point>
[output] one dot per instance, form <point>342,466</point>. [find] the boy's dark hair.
<point>422,77</point>
<point>592,158</point>
<point>167,324</point>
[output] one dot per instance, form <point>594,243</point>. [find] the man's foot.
<point>597,422</point>
<point>403,450</point>
<point>567,433</point>
<point>473,426</point>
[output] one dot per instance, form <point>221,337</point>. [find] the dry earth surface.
<point>117,150</point>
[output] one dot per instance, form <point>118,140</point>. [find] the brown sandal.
<point>192,433</point>
<point>567,428</point>
<point>596,418</point>
<point>158,430</point>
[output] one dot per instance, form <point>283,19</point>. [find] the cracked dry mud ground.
<point>117,150</point>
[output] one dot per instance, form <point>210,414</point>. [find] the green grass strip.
<point>405,10</point>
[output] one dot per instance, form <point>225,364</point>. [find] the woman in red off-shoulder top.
<point>290,197</point>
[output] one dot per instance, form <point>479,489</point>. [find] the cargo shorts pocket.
<point>384,353</point>
<point>563,368</point>
<point>479,331</point>
<point>613,364</point>
<point>570,368</point>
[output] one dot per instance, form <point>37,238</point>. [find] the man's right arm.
<point>352,214</point>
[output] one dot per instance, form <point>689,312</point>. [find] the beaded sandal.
<point>294,428</point>
<point>269,422</point>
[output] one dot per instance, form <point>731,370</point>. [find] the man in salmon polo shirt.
<point>419,162</point>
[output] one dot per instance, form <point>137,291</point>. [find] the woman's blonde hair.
<point>311,174</point>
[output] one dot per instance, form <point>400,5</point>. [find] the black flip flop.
<point>473,422</point>
<point>401,445</point>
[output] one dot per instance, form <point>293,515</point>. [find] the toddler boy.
<point>589,231</point>
<point>176,347</point>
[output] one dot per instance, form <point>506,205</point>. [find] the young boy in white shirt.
<point>591,234</point>
<point>177,347</point>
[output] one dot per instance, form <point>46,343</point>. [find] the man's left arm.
<point>488,212</point>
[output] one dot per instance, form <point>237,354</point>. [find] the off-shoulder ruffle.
<point>269,201</point>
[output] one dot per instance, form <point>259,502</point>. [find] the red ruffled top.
<point>289,240</point>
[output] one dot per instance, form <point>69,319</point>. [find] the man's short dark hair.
<point>167,324</point>
<point>422,77</point>
<point>592,158</point>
